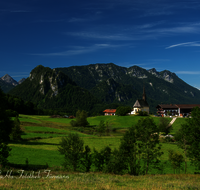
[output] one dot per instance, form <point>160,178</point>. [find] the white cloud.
<point>196,43</point>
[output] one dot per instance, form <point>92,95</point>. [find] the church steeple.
<point>144,94</point>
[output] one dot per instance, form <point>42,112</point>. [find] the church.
<point>141,104</point>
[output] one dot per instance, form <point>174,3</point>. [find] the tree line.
<point>139,151</point>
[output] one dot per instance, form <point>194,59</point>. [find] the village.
<point>177,110</point>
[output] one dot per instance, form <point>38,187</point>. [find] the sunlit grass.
<point>177,124</point>
<point>40,135</point>
<point>44,129</point>
<point>119,121</point>
<point>104,181</point>
<point>36,155</point>
<point>47,134</point>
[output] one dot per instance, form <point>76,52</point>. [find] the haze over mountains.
<point>87,87</point>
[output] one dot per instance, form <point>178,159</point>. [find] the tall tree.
<point>5,129</point>
<point>148,137</point>
<point>191,130</point>
<point>6,123</point>
<point>181,139</point>
<point>72,148</point>
<point>130,152</point>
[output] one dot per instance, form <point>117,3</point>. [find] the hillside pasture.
<point>42,135</point>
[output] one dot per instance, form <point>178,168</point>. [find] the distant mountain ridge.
<point>21,80</point>
<point>8,79</point>
<point>103,84</point>
<point>7,83</point>
<point>161,87</point>
<point>166,75</point>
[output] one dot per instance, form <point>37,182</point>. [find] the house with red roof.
<point>109,111</point>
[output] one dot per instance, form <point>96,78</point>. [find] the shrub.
<point>4,153</point>
<point>164,125</point>
<point>16,130</point>
<point>142,113</point>
<point>12,113</point>
<point>81,119</point>
<point>176,159</point>
<point>72,147</point>
<point>123,110</point>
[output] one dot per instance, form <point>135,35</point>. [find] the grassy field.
<point>42,135</point>
<point>103,182</point>
<point>39,147</point>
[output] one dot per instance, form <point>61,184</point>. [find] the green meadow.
<point>42,134</point>
<point>39,147</point>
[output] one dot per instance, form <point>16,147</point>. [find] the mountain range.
<point>7,83</point>
<point>91,86</point>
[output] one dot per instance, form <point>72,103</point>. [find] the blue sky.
<point>160,34</point>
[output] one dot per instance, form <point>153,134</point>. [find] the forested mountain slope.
<point>165,87</point>
<point>51,89</point>
<point>83,87</point>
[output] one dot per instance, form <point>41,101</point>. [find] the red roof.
<point>110,110</point>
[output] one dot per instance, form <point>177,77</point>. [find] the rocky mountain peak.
<point>138,72</point>
<point>167,75</point>
<point>22,80</point>
<point>153,71</point>
<point>49,80</point>
<point>8,79</point>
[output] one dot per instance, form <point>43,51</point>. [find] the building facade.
<point>109,111</point>
<point>175,109</point>
<point>141,104</point>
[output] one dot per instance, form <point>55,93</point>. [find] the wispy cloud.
<point>146,31</point>
<point>149,25</point>
<point>188,72</point>
<point>167,31</point>
<point>119,36</point>
<point>196,43</point>
<point>77,50</point>
<point>181,29</point>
